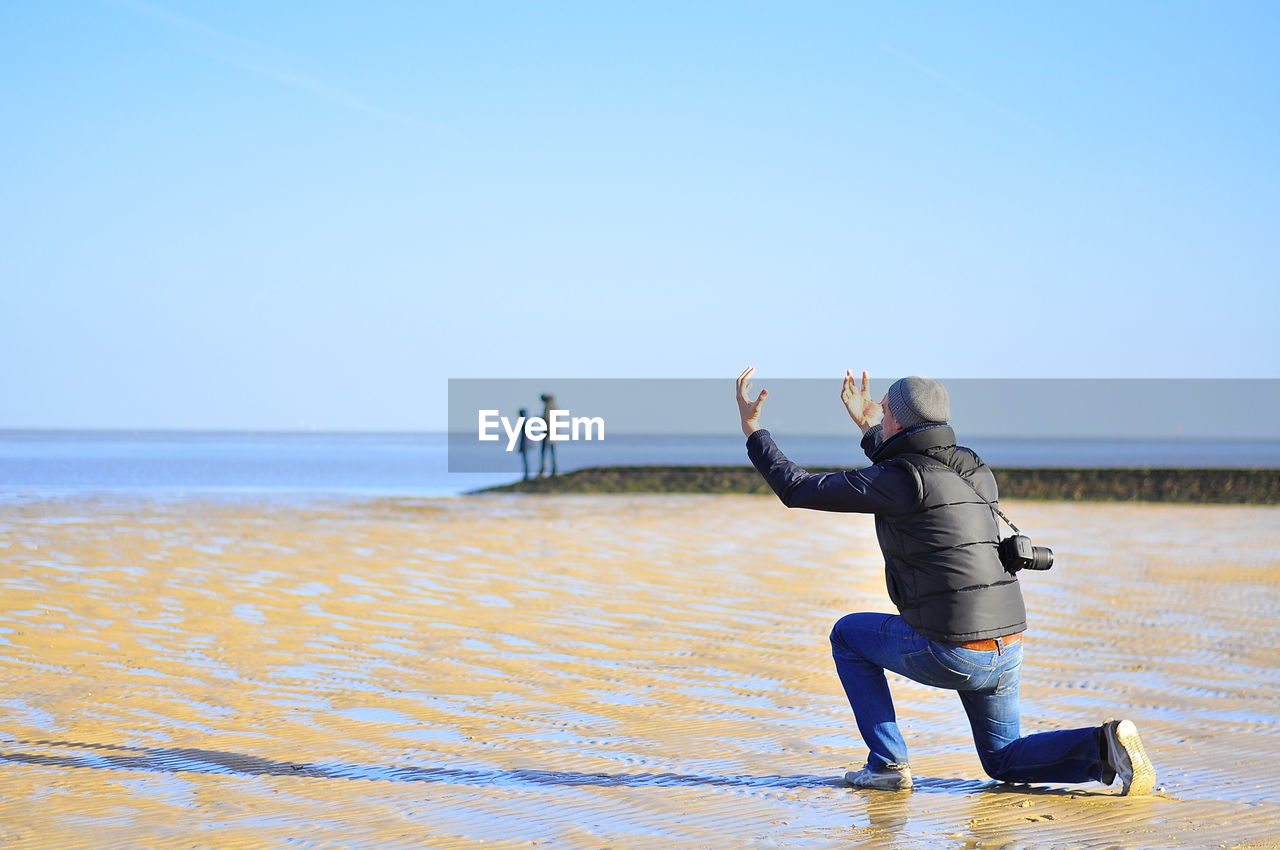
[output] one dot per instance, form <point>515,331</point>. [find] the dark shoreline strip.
<point>1203,486</point>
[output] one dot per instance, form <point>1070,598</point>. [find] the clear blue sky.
<point>284,214</point>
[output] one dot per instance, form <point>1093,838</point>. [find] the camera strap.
<point>991,505</point>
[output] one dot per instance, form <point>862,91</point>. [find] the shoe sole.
<point>1144,773</point>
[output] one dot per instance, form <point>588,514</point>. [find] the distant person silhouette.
<point>548,403</point>
<point>523,445</point>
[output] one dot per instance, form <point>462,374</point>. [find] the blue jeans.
<point>865,645</point>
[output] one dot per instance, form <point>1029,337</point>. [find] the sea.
<point>161,464</point>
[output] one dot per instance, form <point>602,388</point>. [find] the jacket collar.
<point>931,435</point>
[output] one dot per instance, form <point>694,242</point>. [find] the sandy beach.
<point>595,671</point>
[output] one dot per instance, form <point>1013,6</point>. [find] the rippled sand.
<point>595,671</point>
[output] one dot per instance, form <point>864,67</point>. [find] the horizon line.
<point>122,431</point>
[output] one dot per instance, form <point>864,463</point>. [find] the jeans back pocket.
<point>930,666</point>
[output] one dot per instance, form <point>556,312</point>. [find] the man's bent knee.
<point>993,764</point>
<point>851,627</point>
<point>837,636</point>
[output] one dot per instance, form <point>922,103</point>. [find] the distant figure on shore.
<point>955,583</point>
<point>548,445</point>
<point>522,445</point>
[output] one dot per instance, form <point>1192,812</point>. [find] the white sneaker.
<point>1127,758</point>
<point>886,778</point>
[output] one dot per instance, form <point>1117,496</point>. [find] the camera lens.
<point>1041,558</point>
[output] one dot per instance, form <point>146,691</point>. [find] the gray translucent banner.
<point>1050,422</point>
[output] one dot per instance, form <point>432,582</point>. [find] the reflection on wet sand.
<point>637,671</point>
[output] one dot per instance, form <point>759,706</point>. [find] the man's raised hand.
<point>863,409</point>
<point>748,410</point>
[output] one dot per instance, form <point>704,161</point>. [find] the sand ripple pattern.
<point>579,671</point>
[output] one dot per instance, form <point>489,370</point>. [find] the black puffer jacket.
<point>937,535</point>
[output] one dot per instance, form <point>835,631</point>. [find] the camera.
<point>1017,553</point>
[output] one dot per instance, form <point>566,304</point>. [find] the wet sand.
<point>594,671</point>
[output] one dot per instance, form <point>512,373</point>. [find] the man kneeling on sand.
<point>960,612</point>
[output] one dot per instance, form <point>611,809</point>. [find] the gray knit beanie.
<point>916,400</point>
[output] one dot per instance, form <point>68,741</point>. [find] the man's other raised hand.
<point>864,410</point>
<point>748,410</point>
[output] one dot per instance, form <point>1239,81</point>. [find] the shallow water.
<point>594,671</point>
